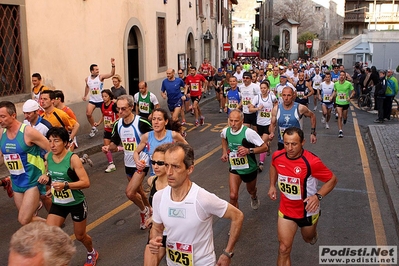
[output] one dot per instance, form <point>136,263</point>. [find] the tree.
<point>302,11</point>
<point>306,36</point>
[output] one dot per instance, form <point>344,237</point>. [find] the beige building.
<point>61,39</point>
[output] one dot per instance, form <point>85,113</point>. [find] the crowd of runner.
<point>258,96</point>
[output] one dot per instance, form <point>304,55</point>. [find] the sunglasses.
<point>180,73</point>
<point>160,163</point>
<point>118,109</point>
<point>246,78</point>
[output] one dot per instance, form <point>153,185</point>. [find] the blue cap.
<point>283,76</point>
<point>220,69</point>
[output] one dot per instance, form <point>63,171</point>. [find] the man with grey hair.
<point>187,211</point>
<point>128,131</point>
<point>39,244</point>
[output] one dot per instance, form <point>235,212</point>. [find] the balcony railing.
<point>355,17</point>
<point>382,17</point>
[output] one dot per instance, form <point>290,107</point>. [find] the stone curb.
<point>389,182</point>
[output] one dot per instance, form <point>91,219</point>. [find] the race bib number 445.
<point>180,253</point>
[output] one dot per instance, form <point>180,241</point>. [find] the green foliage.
<point>306,36</point>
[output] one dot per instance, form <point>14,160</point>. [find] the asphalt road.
<point>355,213</point>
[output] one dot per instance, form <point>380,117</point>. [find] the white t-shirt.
<point>239,77</point>
<point>189,224</point>
<point>264,116</point>
<point>247,95</point>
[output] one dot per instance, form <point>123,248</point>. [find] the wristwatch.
<point>319,196</point>
<point>66,185</point>
<point>228,254</point>
<point>251,150</point>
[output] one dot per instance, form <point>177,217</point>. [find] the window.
<point>11,76</point>
<point>161,24</point>
<point>317,8</point>
<point>240,46</point>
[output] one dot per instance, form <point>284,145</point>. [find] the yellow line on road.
<point>379,230</point>
<point>128,203</point>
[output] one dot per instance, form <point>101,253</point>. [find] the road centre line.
<point>379,230</point>
<point>123,206</point>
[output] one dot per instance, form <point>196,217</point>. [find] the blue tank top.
<point>153,143</point>
<point>233,100</point>
<point>286,119</point>
<point>23,161</point>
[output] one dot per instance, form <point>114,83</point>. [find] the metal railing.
<point>11,78</point>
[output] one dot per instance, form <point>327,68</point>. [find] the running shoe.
<point>220,110</point>
<point>260,167</point>
<point>184,134</point>
<point>192,111</point>
<point>202,120</point>
<point>6,182</point>
<point>255,203</point>
<point>183,122</point>
<point>336,116</point>
<point>85,159</point>
<point>111,167</point>
<point>143,217</point>
<point>327,126</point>
<point>378,121</point>
<point>314,239</point>
<point>344,121</point>
<point>340,134</point>
<point>315,108</point>
<point>209,93</point>
<point>93,132</point>
<point>92,258</point>
<point>323,119</point>
<point>196,123</point>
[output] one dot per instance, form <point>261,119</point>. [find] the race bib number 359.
<point>181,254</point>
<point>290,187</point>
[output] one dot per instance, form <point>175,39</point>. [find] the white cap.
<point>30,106</point>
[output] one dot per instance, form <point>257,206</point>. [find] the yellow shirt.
<point>57,116</point>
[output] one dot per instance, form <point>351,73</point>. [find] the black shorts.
<point>196,98</point>
<point>78,211</point>
<point>315,91</point>
<point>262,129</point>
<point>107,134</point>
<point>246,178</point>
<point>208,78</point>
<point>250,119</point>
<point>131,170</point>
<point>344,106</point>
<point>307,221</point>
<point>97,105</point>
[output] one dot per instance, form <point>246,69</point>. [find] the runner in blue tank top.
<point>287,114</point>
<point>20,152</point>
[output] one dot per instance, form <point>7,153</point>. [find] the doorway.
<point>133,60</point>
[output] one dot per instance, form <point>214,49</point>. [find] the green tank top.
<point>61,172</point>
<point>243,165</point>
<point>145,104</point>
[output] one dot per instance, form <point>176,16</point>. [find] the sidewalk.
<point>385,140</point>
